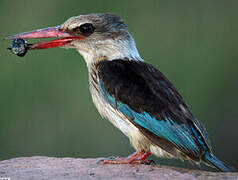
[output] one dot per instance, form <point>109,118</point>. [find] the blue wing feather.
<point>179,134</point>
<point>153,105</point>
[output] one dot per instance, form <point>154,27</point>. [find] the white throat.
<point>110,50</point>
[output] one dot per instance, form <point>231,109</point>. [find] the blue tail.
<point>213,161</point>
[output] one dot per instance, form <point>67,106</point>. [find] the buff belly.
<point>137,139</point>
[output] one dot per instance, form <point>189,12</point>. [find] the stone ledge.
<point>51,168</point>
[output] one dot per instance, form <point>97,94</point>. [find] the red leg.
<point>145,155</point>
<point>136,158</point>
<point>144,160</point>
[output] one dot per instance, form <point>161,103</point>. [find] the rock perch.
<point>52,168</point>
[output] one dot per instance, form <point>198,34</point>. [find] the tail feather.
<point>213,161</point>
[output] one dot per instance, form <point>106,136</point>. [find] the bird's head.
<point>95,36</point>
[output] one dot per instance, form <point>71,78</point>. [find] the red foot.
<point>136,158</point>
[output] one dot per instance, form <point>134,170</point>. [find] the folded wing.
<point>145,96</point>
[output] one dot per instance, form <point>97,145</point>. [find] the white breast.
<point>114,116</point>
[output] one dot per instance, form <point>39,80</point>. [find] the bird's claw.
<point>110,158</point>
<point>148,162</point>
<point>119,160</point>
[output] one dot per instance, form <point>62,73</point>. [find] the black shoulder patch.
<point>141,87</point>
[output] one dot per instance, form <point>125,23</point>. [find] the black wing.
<point>152,103</point>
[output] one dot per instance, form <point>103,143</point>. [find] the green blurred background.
<point>45,104</point>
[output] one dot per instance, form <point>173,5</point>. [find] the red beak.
<point>50,32</point>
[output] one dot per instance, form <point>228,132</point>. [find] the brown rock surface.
<point>51,168</point>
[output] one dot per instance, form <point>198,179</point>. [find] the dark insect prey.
<point>19,47</point>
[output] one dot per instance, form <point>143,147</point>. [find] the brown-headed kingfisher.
<point>133,95</point>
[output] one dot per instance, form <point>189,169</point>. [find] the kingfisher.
<point>132,94</point>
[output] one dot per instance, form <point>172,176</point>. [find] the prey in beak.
<point>20,47</point>
<point>94,36</point>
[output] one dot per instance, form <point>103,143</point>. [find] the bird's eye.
<point>85,29</point>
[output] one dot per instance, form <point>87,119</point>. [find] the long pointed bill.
<point>50,32</point>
